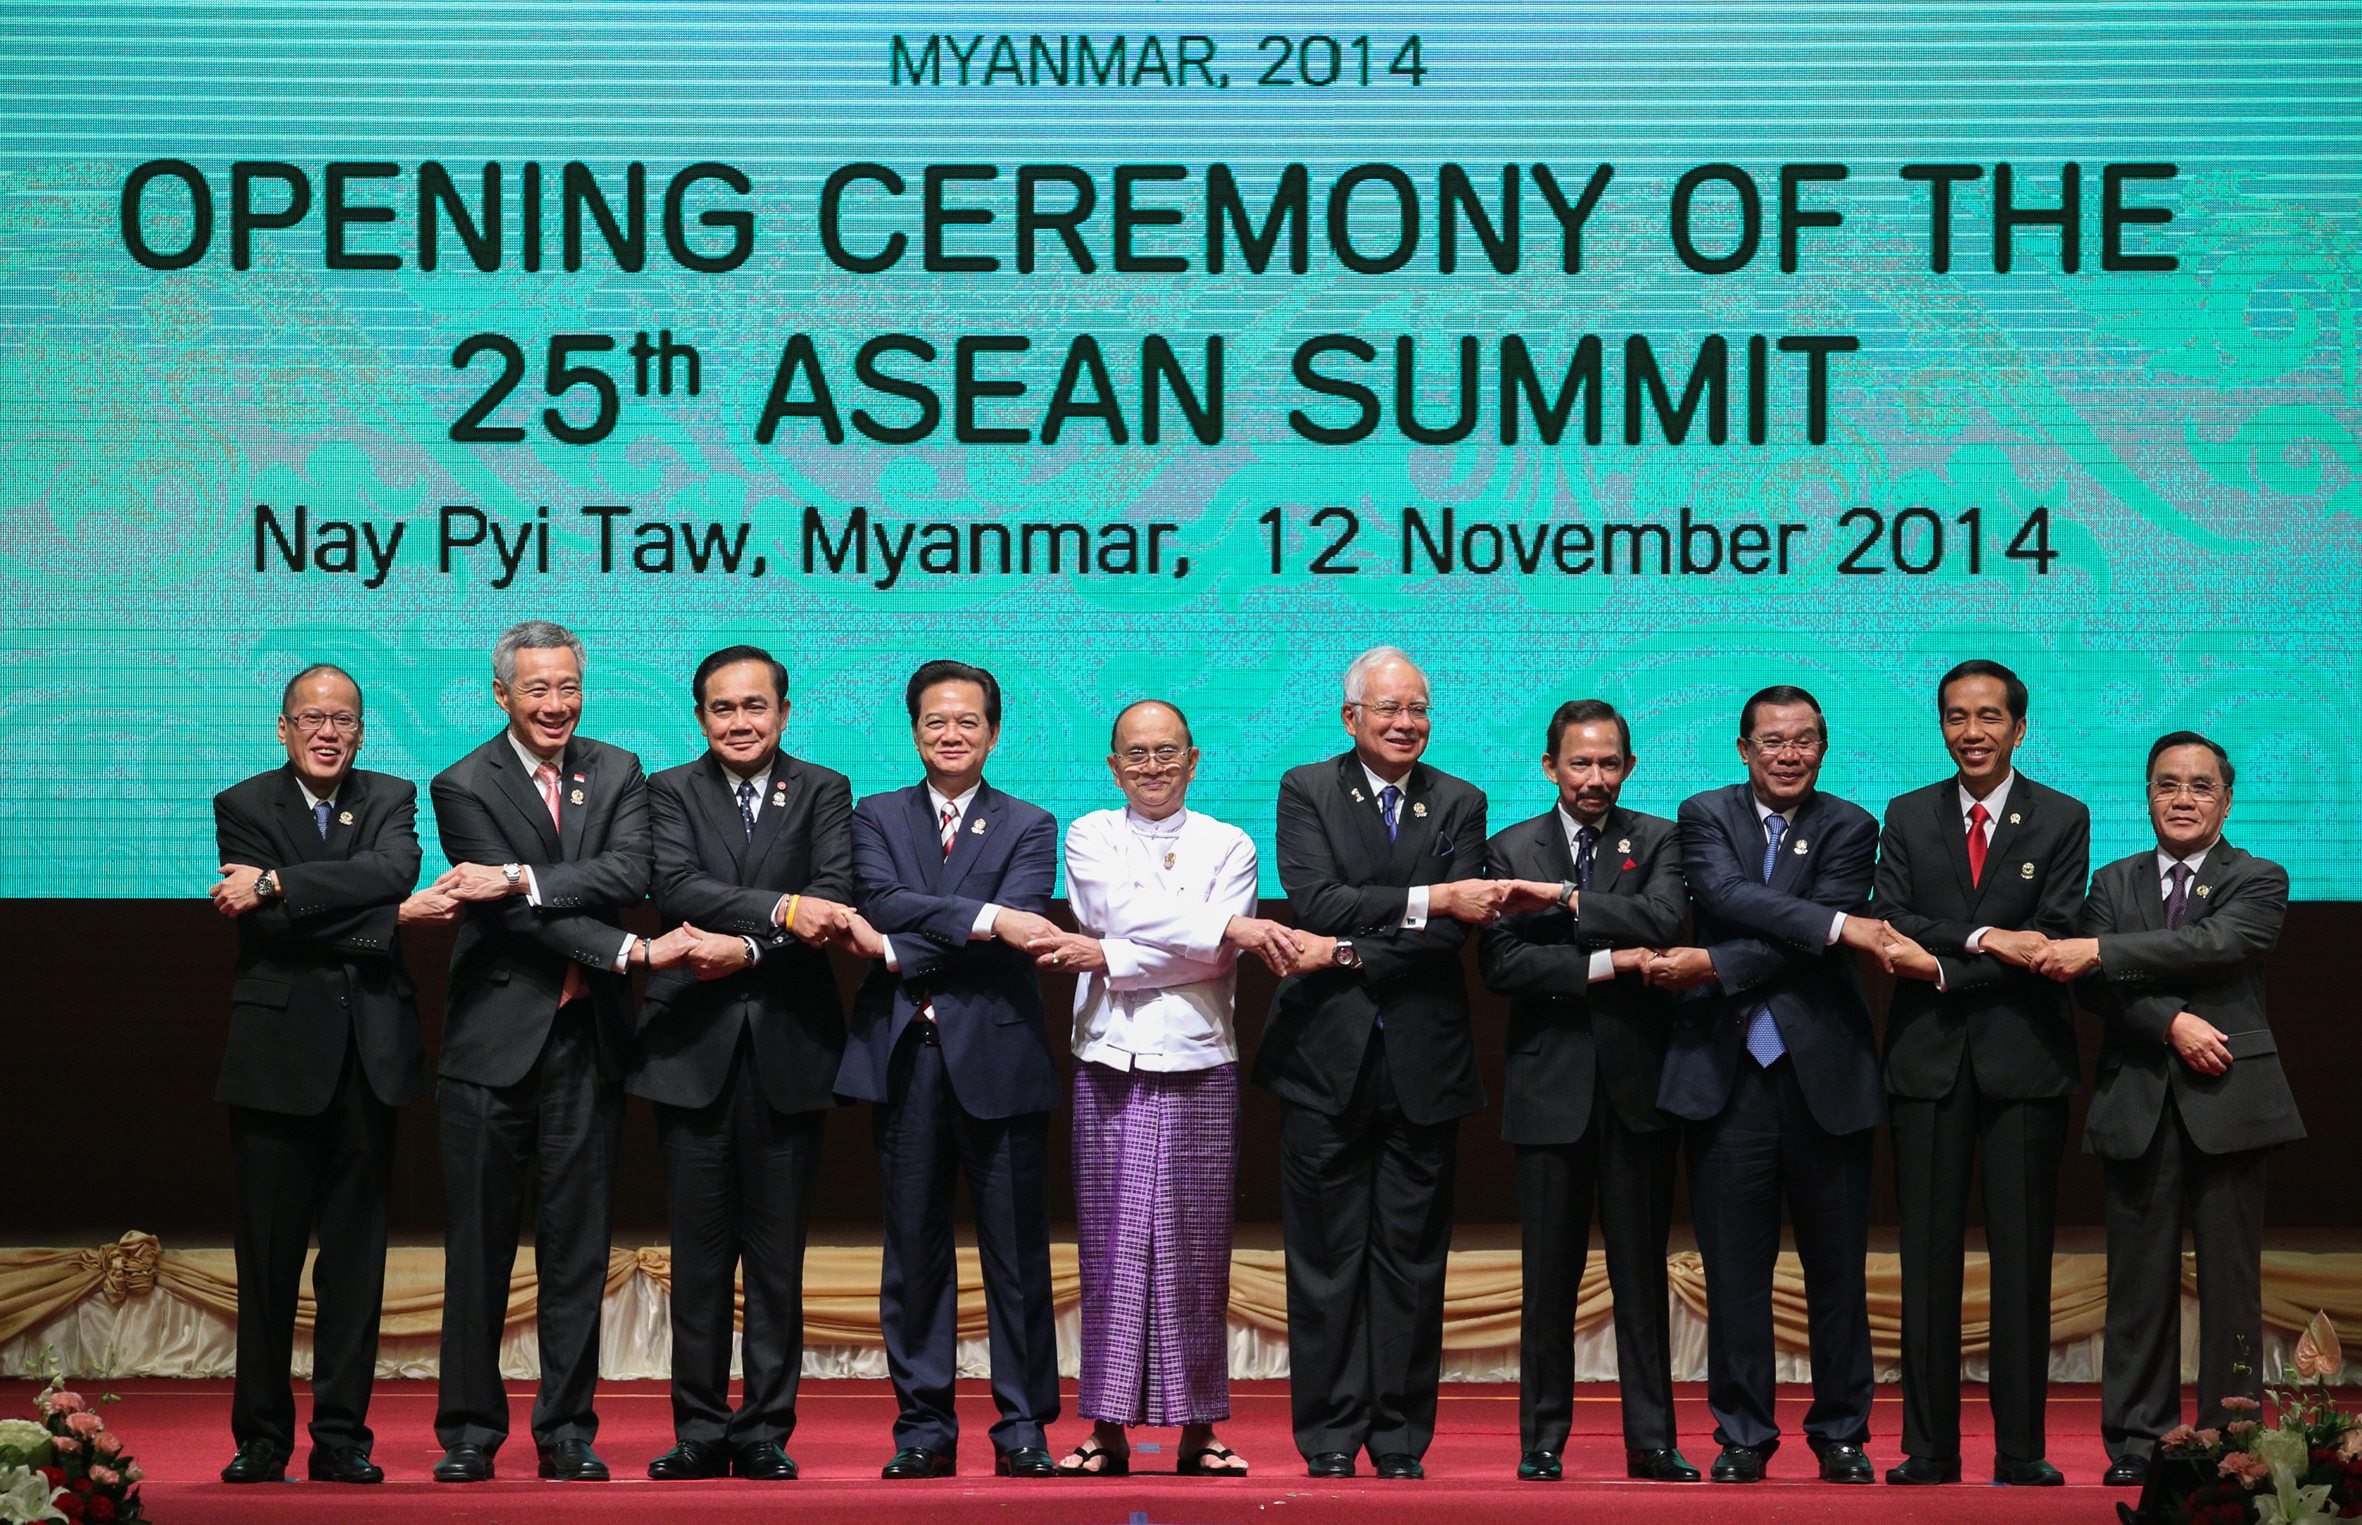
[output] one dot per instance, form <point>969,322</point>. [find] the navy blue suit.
<point>1801,1127</point>
<point>973,1095</point>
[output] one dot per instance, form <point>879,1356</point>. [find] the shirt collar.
<point>1764,812</point>
<point>759,780</point>
<point>1992,802</point>
<point>1379,786</point>
<point>958,803</point>
<point>533,765</point>
<point>1570,825</point>
<point>313,801</point>
<point>2196,860</point>
<point>1170,826</point>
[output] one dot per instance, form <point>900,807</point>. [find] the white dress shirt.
<point>1603,960</point>
<point>1159,896</point>
<point>958,805</point>
<point>1414,909</point>
<point>1763,813</point>
<point>1994,804</point>
<point>533,766</point>
<point>2166,861</point>
<point>754,810</point>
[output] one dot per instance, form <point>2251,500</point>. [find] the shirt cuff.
<point>892,962</point>
<point>779,913</point>
<point>532,888</point>
<point>623,955</point>
<point>1414,908</point>
<point>1603,965</point>
<point>1976,942</point>
<point>1940,985</point>
<point>754,951</point>
<point>1836,928</point>
<point>982,930</point>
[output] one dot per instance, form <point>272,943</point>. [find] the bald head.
<point>1115,739</point>
<point>1152,757</point>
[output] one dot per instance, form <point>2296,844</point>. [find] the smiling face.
<point>321,730</point>
<point>1979,731</point>
<point>742,716</point>
<point>1153,761</point>
<point>953,735</point>
<point>1590,769</point>
<point>1782,750</point>
<point>1389,725</point>
<point>2188,799</point>
<point>544,700</point>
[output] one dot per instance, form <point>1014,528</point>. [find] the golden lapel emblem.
<point>2202,889</point>
<point>1168,860</point>
<point>576,796</point>
<point>780,798</point>
<point>978,828</point>
<point>2025,871</point>
<point>1359,798</point>
<point>2014,818</point>
<point>1419,809</point>
<point>344,818</point>
<point>1800,846</point>
<point>1624,846</point>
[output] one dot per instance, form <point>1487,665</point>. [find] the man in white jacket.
<point>1165,898</point>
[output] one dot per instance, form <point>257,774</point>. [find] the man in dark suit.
<point>2189,1101</point>
<point>1774,1066</point>
<point>738,1049</point>
<point>1369,1052</point>
<point>1975,875</point>
<point>1586,1053</point>
<point>949,1043</point>
<point>318,861</point>
<point>547,833</point>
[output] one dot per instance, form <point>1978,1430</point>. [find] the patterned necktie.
<point>2177,899</point>
<point>1977,817</point>
<point>1763,1032</point>
<point>951,827</point>
<point>1586,845</point>
<point>547,777</point>
<point>746,804</point>
<point>320,815</point>
<point>1389,801</point>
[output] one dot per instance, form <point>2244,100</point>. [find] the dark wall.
<point>112,1035</point>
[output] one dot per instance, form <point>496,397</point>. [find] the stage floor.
<point>180,1432</point>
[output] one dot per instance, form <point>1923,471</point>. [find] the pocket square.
<point>1443,849</point>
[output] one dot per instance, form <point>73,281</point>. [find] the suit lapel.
<point>1607,864</point>
<point>2016,811</point>
<point>1414,821</point>
<point>2220,864</point>
<point>1803,824</point>
<point>717,800</point>
<point>578,782</point>
<point>344,820</point>
<point>779,797</point>
<point>1369,826</point>
<point>508,771</point>
<point>2148,892</point>
<point>984,809</point>
<point>299,829</point>
<point>1953,833</point>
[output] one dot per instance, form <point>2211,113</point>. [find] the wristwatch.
<point>266,884</point>
<point>514,873</point>
<point>1566,891</point>
<point>1345,955</point>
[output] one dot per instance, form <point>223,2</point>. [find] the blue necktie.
<point>746,804</point>
<point>320,814</point>
<point>1586,848</point>
<point>1763,1033</point>
<point>1389,800</point>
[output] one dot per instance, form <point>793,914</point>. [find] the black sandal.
<point>1110,1464</point>
<point>1193,1465</point>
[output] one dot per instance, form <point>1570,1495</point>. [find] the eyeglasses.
<point>1141,757</point>
<point>1781,746</point>
<point>311,722</point>
<point>2203,791</point>
<point>1388,709</point>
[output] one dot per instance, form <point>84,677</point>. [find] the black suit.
<point>968,1091</point>
<point>1983,1065</point>
<point>323,1046</point>
<point>532,1090</point>
<point>1801,1127</point>
<point>1374,1068</point>
<point>742,1071</point>
<point>1584,1064</point>
<point>2172,1137</point>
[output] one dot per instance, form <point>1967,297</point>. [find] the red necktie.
<point>547,777</point>
<point>1976,843</point>
<point>951,827</point>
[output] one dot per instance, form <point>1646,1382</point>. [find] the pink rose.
<point>2207,1438</point>
<point>62,1402</point>
<point>2249,1468</point>
<point>85,1424</point>
<point>106,1477</point>
<point>2238,1403</point>
<point>105,1444</point>
<point>64,1445</point>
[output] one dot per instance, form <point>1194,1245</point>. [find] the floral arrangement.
<point>2305,1470</point>
<point>65,1465</point>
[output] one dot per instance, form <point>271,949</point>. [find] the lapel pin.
<point>2025,871</point>
<point>578,778</point>
<point>2013,818</point>
<point>1800,847</point>
<point>1169,860</point>
<point>2202,889</point>
<point>1624,846</point>
<point>344,818</point>
<point>780,798</point>
<point>1419,809</point>
<point>978,828</point>
<point>1359,798</point>
<point>576,796</point>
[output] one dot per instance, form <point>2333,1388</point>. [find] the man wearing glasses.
<point>1165,899</point>
<point>2190,1097</point>
<point>1773,1063</point>
<point>1370,1054</point>
<point>318,861</point>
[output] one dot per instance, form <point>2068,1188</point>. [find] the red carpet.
<point>180,1431</point>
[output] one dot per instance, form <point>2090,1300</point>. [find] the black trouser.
<point>1366,1212</point>
<point>925,1139</point>
<point>1763,1145</point>
<point>1634,1173</point>
<point>2140,1373</point>
<point>555,1130</point>
<point>334,1169</point>
<point>739,1177</point>
<point>1936,1148</point>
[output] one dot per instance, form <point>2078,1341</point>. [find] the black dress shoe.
<point>1399,1465</point>
<point>1924,1471</point>
<point>918,1461</point>
<point>1024,1461</point>
<point>464,1463</point>
<point>2027,1474</point>
<point>1660,1466</point>
<point>1741,1464</point>
<point>1540,1467</point>
<point>691,1459</point>
<point>1842,1461</point>
<point>765,1461</point>
<point>257,1461</point>
<point>1329,1464</point>
<point>343,1464</point>
<point>2127,1471</point>
<point>572,1461</point>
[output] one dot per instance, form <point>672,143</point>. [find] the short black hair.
<point>731,656</point>
<point>944,670</point>
<point>1117,729</point>
<point>2013,688</point>
<point>1781,693</point>
<point>287,694</point>
<point>2172,739</point>
<point>1585,712</point>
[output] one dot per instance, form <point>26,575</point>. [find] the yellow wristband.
<point>794,904</point>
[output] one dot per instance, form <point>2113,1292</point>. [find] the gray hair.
<point>532,635</point>
<point>1357,677</point>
